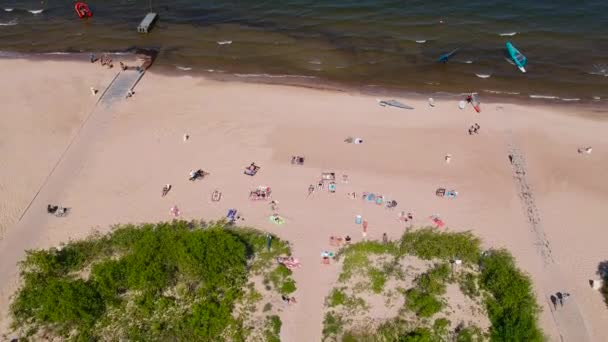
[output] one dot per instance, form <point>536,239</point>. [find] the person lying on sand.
<point>166,190</point>
<point>586,150</point>
<point>51,209</point>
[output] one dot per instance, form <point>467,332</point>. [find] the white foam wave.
<point>507,34</point>
<point>597,98</point>
<point>9,23</point>
<point>468,62</point>
<point>315,61</point>
<point>273,76</point>
<point>574,99</point>
<point>600,69</point>
<point>224,42</point>
<point>183,68</point>
<point>501,92</point>
<point>483,75</point>
<point>545,97</point>
<point>9,9</point>
<point>421,41</point>
<point>56,53</point>
<point>36,11</point>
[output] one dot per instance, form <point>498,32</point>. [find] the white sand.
<point>118,163</point>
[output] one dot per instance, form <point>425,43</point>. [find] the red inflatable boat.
<point>82,10</point>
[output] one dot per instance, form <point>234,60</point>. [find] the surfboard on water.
<point>518,58</point>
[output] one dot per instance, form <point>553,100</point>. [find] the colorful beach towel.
<point>276,219</point>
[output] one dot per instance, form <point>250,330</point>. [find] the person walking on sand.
<point>560,297</point>
<point>311,189</point>
<point>384,238</point>
<point>364,229</point>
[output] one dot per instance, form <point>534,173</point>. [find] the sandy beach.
<point>109,166</point>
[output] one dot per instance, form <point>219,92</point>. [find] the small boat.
<point>82,10</point>
<point>517,57</point>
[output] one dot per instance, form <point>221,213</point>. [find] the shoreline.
<point>593,108</point>
<point>114,171</point>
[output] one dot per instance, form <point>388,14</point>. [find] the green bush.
<point>356,256</point>
<point>423,304</point>
<point>418,335</point>
<point>511,304</point>
<point>332,325</point>
<point>273,329</point>
<point>468,285</point>
<point>131,270</point>
<point>336,297</point>
<point>378,279</point>
<point>470,334</point>
<point>433,281</point>
<point>281,279</point>
<point>429,243</point>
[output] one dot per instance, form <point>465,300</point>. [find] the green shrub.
<point>281,279</point>
<point>378,279</point>
<point>470,334</point>
<point>273,329</point>
<point>440,326</point>
<point>356,256</point>
<point>336,297</point>
<point>418,335</point>
<point>511,304</point>
<point>429,243</point>
<point>433,281</point>
<point>131,269</point>
<point>468,285</point>
<point>332,325</point>
<point>423,304</point>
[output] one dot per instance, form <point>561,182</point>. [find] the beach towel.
<point>437,221</point>
<point>276,219</point>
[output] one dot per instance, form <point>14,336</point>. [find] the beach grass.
<point>490,279</point>
<point>166,281</point>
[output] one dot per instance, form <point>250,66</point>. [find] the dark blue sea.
<point>383,43</point>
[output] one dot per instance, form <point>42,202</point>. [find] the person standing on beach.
<point>554,301</point>
<point>384,238</point>
<point>268,242</point>
<point>364,229</point>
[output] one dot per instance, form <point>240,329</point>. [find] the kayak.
<point>445,57</point>
<point>82,10</point>
<point>517,57</point>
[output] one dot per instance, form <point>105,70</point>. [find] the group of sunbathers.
<point>337,241</point>
<point>194,175</point>
<point>57,210</point>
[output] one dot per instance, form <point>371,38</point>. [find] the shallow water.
<point>363,43</point>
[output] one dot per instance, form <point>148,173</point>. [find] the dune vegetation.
<point>177,281</point>
<point>409,279</point>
